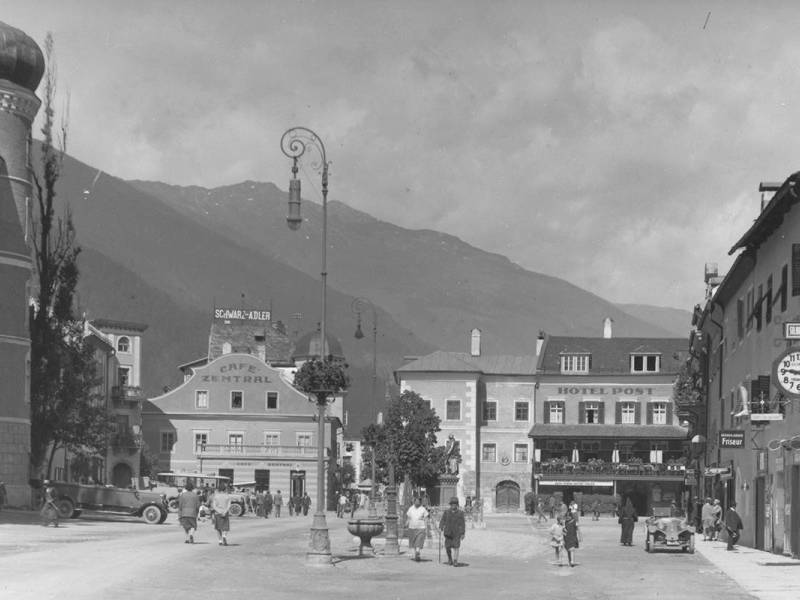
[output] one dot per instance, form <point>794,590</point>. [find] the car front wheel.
<point>152,515</point>
<point>236,510</point>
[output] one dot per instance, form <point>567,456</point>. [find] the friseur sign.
<point>731,439</point>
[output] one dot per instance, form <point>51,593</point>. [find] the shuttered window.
<point>795,269</point>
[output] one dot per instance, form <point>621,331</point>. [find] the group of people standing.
<point>713,522</point>
<point>264,504</point>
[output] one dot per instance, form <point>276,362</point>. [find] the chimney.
<point>539,342</point>
<point>607,327</point>
<point>475,342</point>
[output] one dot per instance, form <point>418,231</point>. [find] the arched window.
<point>123,344</point>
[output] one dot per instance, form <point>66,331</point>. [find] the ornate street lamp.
<point>294,144</point>
<point>358,306</point>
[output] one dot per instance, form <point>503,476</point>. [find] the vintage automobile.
<point>667,531</point>
<point>171,483</point>
<point>74,498</point>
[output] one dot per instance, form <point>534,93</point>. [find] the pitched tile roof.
<point>612,355</point>
<point>550,430</point>
<point>463,362</point>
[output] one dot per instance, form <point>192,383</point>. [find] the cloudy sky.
<point>618,145</point>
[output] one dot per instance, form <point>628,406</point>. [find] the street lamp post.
<point>294,143</point>
<point>358,306</point>
<point>392,545</point>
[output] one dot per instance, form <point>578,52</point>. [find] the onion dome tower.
<point>21,70</point>
<point>309,346</point>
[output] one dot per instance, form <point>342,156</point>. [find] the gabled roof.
<point>118,325</point>
<point>463,362</point>
<point>612,355</point>
<point>771,217</point>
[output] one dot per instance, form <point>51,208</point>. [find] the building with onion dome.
<point>21,70</point>
<point>237,413</point>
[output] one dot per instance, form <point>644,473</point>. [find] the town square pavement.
<point>99,557</point>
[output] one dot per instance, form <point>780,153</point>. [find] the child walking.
<point>557,538</point>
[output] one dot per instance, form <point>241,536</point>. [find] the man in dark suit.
<point>453,527</point>
<point>733,523</point>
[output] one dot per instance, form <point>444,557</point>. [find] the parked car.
<point>74,498</point>
<point>668,532</point>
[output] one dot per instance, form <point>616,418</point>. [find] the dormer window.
<point>645,363</point>
<point>576,363</point>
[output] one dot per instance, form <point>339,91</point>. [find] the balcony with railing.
<point>125,441</point>
<point>260,451</point>
<point>126,394</point>
<point>599,469</point>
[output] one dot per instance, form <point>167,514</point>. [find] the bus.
<point>171,484</point>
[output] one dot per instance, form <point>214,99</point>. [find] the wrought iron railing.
<point>261,450</point>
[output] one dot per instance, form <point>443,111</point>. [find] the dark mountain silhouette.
<point>166,255</point>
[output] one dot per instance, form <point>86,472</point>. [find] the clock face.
<point>787,372</point>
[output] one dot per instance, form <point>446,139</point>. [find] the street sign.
<point>766,417</point>
<point>731,439</point>
<point>791,331</point>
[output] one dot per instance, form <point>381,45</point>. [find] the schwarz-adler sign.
<point>241,314</point>
<point>731,439</point>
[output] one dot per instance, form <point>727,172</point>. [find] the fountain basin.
<point>365,530</point>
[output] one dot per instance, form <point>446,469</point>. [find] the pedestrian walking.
<point>354,501</point>
<point>453,528</point>
<point>277,502</point>
<point>259,504</point>
<point>557,539</point>
<point>290,504</point>
<point>596,510</point>
<point>49,512</point>
<point>305,501</point>
<point>627,517</point>
<point>221,507</point>
<point>267,504</point>
<point>562,509</point>
<point>417,526</point>
<point>573,508</point>
<point>188,509</point>
<point>540,516</point>
<point>708,520</point>
<point>3,495</point>
<point>340,504</point>
<point>733,524</point>
<point>572,536</point>
<point>716,512</point>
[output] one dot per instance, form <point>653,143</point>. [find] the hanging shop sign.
<point>766,417</point>
<point>791,331</point>
<point>731,439</point>
<point>578,483</point>
<point>721,471</point>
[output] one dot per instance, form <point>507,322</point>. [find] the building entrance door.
<point>298,479</point>
<point>507,496</point>
<point>122,475</point>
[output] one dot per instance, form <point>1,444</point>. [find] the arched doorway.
<point>506,496</point>
<point>121,475</point>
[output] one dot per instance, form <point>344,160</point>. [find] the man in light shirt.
<point>221,507</point>
<point>417,525</point>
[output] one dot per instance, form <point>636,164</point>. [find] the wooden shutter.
<point>649,413</point>
<point>601,417</point>
<point>638,414</point>
<point>618,413</point>
<point>546,415</point>
<point>581,412</point>
<point>669,413</point>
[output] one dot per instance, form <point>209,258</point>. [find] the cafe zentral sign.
<point>731,439</point>
<point>241,314</point>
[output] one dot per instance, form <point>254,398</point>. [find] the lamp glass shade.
<point>293,219</point>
